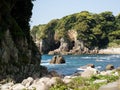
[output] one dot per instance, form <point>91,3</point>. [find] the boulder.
<point>67,80</point>
<point>27,82</point>
<point>89,72</point>
<point>88,65</point>
<point>18,86</point>
<point>91,65</point>
<point>53,81</point>
<point>109,67</point>
<point>57,60</point>
<point>6,86</point>
<point>43,80</point>
<point>41,86</point>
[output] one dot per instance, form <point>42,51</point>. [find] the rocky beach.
<point>92,40</point>
<point>110,51</point>
<point>53,78</point>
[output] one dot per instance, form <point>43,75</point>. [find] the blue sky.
<point>46,10</point>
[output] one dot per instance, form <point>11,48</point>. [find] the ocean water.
<point>74,62</point>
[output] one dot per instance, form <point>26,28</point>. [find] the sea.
<point>74,62</point>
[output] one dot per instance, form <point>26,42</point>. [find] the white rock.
<point>6,86</point>
<point>116,74</point>
<point>67,80</point>
<point>89,72</point>
<point>52,81</point>
<point>18,86</point>
<point>100,81</point>
<point>27,82</point>
<point>93,69</point>
<point>43,80</point>
<point>40,86</point>
<point>108,72</point>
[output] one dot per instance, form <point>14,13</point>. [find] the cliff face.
<point>19,57</point>
<point>82,32</point>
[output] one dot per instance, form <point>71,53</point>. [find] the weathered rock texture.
<point>64,45</point>
<point>19,57</point>
<point>57,60</point>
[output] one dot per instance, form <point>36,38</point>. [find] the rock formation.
<point>19,57</point>
<point>64,45</point>
<point>57,60</point>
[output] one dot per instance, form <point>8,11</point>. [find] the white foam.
<point>44,64</point>
<point>80,69</point>
<point>98,67</point>
<point>99,60</point>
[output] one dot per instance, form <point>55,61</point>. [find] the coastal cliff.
<point>19,56</point>
<point>79,33</point>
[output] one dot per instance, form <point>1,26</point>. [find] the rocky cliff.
<point>79,33</point>
<point>19,57</point>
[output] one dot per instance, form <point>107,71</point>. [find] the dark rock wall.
<point>19,57</point>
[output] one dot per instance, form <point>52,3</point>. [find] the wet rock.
<point>57,60</point>
<point>91,65</point>
<point>6,86</point>
<point>109,67</point>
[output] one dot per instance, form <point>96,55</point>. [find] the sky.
<point>46,10</point>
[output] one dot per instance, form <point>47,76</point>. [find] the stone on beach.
<point>53,81</point>
<point>67,80</point>
<point>109,67</point>
<point>27,82</point>
<point>88,65</point>
<point>41,86</point>
<point>18,86</point>
<point>89,72</point>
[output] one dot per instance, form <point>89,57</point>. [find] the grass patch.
<point>80,83</point>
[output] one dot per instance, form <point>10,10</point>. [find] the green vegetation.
<point>95,30</point>
<point>80,83</point>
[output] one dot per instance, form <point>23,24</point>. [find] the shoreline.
<point>109,51</point>
<point>53,78</point>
